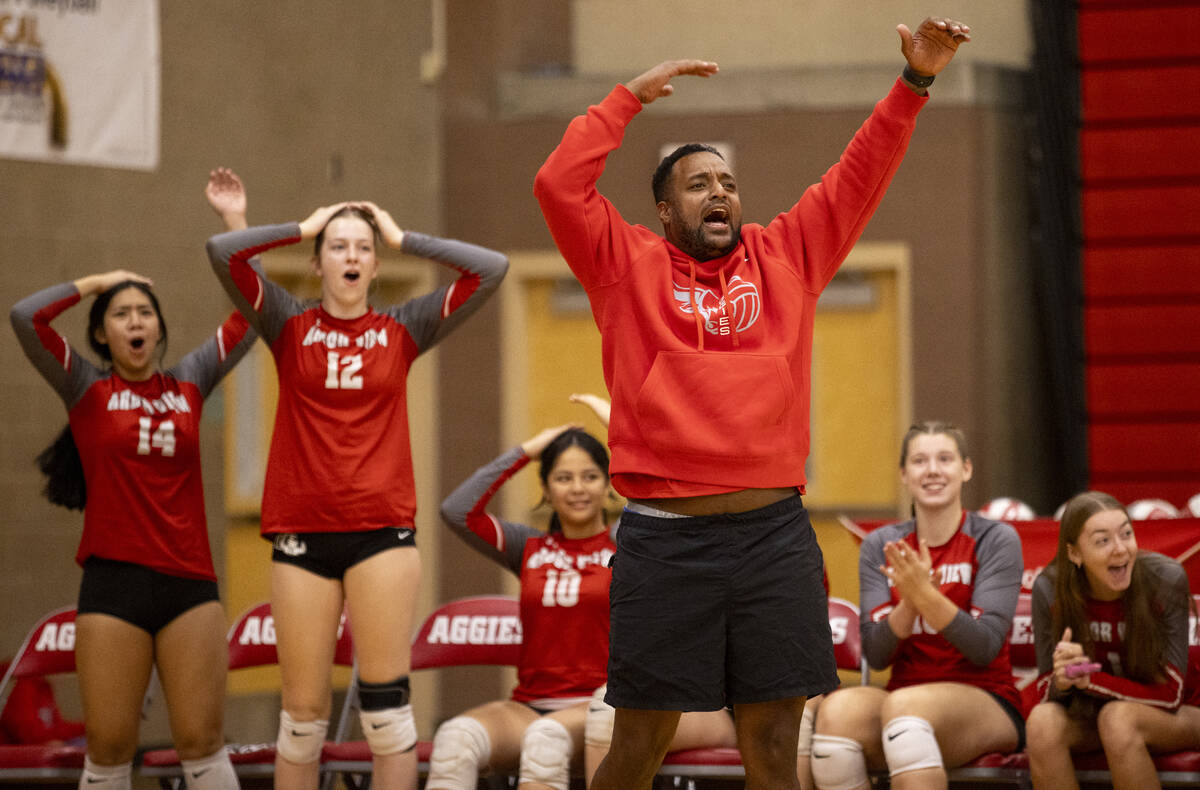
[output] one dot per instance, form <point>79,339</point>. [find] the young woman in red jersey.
<point>1111,627</point>
<point>937,595</point>
<point>339,500</point>
<point>564,615</point>
<point>130,459</point>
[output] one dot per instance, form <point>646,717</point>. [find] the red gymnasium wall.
<point>1140,162</point>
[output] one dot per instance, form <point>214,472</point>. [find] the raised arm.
<point>58,362</point>
<point>208,363</point>
<point>819,231</point>
<point>432,317</point>
<point>265,305</point>
<point>587,228</point>
<point>465,510</point>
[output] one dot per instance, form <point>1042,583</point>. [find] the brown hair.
<point>933,427</point>
<point>1144,641</point>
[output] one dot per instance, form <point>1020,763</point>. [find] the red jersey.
<point>1180,683</point>
<point>979,569</point>
<point>564,587</point>
<point>340,459</point>
<point>708,362</point>
<point>139,441</point>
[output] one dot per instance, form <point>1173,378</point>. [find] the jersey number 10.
<point>561,589</point>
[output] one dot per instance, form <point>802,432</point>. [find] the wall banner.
<point>79,82</point>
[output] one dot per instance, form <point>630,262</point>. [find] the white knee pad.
<point>804,745</point>
<point>546,754</point>
<point>910,745</point>
<point>598,727</point>
<point>105,777</point>
<point>837,763</point>
<point>214,772</point>
<point>390,730</point>
<point>460,747</point>
<point>300,742</point>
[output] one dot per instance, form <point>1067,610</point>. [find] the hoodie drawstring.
<point>695,307</point>
<point>725,306</point>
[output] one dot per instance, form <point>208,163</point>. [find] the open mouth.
<point>137,343</point>
<point>351,277</point>
<point>717,217</point>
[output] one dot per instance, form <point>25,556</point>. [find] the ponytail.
<point>63,468</point>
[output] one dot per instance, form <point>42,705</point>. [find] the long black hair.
<point>60,461</point>
<point>572,437</point>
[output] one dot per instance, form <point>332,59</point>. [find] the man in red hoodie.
<point>716,593</point>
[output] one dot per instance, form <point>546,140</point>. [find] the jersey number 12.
<point>342,373</point>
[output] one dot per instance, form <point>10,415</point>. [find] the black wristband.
<point>916,79</point>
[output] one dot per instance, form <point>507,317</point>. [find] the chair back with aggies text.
<point>252,644</point>
<point>481,630</point>
<point>48,649</point>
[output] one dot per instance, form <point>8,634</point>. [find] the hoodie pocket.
<point>715,404</point>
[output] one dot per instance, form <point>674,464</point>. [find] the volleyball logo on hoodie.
<point>735,312</point>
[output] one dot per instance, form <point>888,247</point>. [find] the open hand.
<point>656,82</point>
<point>311,225</point>
<point>906,568</point>
<point>599,405</point>
<point>533,446</point>
<point>392,235</point>
<point>227,196</point>
<point>933,45</point>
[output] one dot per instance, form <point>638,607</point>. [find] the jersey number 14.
<point>162,438</point>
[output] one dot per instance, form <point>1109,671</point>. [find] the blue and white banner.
<point>79,82</point>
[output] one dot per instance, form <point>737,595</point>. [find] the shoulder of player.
<point>888,533</point>
<point>982,528</point>
<point>1162,567</point>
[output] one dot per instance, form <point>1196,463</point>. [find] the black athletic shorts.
<point>331,554</point>
<point>138,595</point>
<point>713,611</point>
<point>1018,720</point>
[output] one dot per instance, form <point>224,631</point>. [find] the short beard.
<point>692,242</point>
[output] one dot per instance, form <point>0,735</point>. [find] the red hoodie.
<point>708,362</point>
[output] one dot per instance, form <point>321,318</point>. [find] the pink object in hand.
<point>1082,668</point>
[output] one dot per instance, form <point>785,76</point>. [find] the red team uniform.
<point>138,440</point>
<point>340,459</point>
<point>1180,684</point>
<point>564,590</point>
<point>979,569</point>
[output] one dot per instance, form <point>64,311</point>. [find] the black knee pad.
<point>381,696</point>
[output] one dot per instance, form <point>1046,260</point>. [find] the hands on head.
<point>99,283</point>
<point>535,445</point>
<point>392,235</point>
<point>933,45</point>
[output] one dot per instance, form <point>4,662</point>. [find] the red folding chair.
<point>687,765</point>
<point>251,644</point>
<point>482,630</point>
<point>48,649</point>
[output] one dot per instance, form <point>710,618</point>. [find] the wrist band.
<point>916,79</point>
